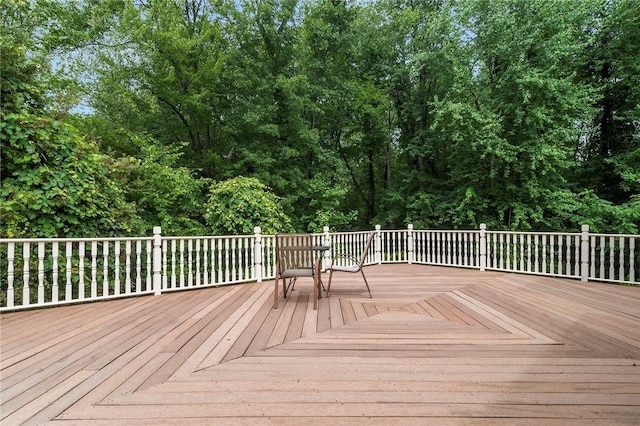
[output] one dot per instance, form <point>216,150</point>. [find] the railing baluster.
<point>10,273</point>
<point>494,248</point>
<point>248,258</point>
<point>190,262</point>
<point>559,255</point>
<point>198,275</point>
<point>182,264</point>
<point>105,271</point>
<point>197,251</point>
<point>621,258</point>
<point>127,280</point>
<point>632,256</point>
<point>165,280</point>
<point>40,272</point>
<point>26,254</point>
<point>602,249</point>
<point>94,269</point>
<point>138,266</point>
<point>576,256</point>
<point>205,260</point>
<point>226,260</point>
<point>68,293</point>
<point>213,260</point>
<point>611,258</point>
<point>546,253</point>
<point>54,272</point>
<point>567,249</point>
<point>234,256</point>
<point>448,248</point>
<point>149,255</point>
<point>173,264</point>
<point>219,247</point>
<point>528,245</point>
<point>81,256</point>
<point>552,254</point>
<point>536,248</point>
<point>116,268</point>
<point>507,251</point>
<point>592,256</point>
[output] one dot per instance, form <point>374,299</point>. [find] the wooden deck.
<point>434,346</point>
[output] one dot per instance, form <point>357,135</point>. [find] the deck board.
<point>451,345</point>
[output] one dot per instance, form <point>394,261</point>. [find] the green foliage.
<point>325,201</point>
<point>162,193</point>
<point>237,205</point>
<point>517,114</point>
<point>53,183</point>
<point>611,65</point>
<point>586,208</point>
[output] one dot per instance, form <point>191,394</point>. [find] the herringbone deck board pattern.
<point>435,345</point>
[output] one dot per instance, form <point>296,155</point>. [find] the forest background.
<point>214,116</point>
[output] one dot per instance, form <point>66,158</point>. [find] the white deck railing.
<point>47,272</point>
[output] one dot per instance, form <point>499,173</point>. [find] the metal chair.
<point>356,266</point>
<point>296,258</point>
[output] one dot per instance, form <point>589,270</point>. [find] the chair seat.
<point>289,273</point>
<point>352,268</point>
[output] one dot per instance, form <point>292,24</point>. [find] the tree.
<point>429,59</point>
<point>272,142</point>
<point>526,101</point>
<point>608,157</point>
<point>161,71</point>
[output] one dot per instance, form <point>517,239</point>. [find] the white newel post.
<point>326,241</point>
<point>257,253</point>
<point>157,260</point>
<point>410,253</point>
<point>483,246</point>
<point>378,248</point>
<point>584,253</point>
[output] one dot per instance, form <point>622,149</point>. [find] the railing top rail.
<point>72,240</point>
<point>593,234</point>
<point>445,230</point>
<point>350,233</point>
<point>533,233</point>
<point>209,237</point>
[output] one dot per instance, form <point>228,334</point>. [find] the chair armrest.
<point>345,256</point>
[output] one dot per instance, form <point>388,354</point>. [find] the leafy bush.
<point>163,193</point>
<point>237,205</point>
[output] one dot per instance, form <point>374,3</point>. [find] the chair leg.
<point>365,281</point>
<point>275,293</point>
<point>284,286</point>
<point>319,283</point>
<point>315,293</point>
<point>329,284</point>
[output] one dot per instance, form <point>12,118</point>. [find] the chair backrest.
<point>294,251</point>
<point>365,252</point>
